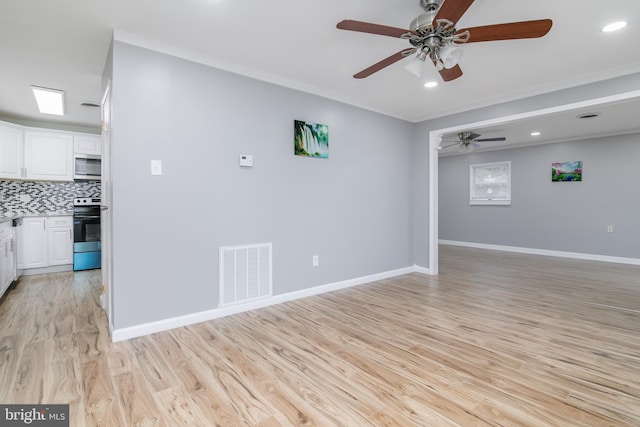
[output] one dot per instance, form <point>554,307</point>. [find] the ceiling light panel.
<point>50,101</point>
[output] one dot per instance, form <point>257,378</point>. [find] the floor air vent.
<point>245,273</point>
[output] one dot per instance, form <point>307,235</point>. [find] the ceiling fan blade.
<point>449,74</point>
<point>384,63</point>
<point>510,31</point>
<point>453,10</point>
<point>367,27</point>
<point>502,138</point>
<point>449,145</point>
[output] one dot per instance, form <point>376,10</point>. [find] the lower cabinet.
<point>7,258</point>
<point>45,242</point>
<point>32,247</point>
<point>60,240</point>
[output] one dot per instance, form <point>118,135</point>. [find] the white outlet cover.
<point>156,167</point>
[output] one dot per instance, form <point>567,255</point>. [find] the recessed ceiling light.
<point>615,26</point>
<point>50,101</point>
<point>430,84</point>
<point>535,133</point>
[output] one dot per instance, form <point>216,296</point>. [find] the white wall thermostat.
<point>246,161</point>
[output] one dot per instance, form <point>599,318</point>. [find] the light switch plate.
<point>156,167</point>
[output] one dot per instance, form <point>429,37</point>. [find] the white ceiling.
<point>63,44</point>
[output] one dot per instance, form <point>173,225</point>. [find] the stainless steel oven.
<point>87,167</point>
<point>86,233</point>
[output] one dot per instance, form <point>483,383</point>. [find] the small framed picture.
<point>566,171</point>
<point>311,139</point>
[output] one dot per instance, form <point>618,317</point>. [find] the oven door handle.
<point>86,217</point>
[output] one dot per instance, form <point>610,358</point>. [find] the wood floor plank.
<point>286,406</point>
<point>179,409</point>
<point>495,339</point>
<point>139,407</point>
<point>10,352</point>
<point>27,386</point>
<point>102,407</point>
<point>194,371</point>
<point>63,366</point>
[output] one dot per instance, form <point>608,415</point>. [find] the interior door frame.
<point>105,206</point>
<point>435,137</point>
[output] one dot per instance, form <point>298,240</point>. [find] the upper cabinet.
<point>48,155</point>
<point>43,154</point>
<point>11,151</point>
<point>88,144</point>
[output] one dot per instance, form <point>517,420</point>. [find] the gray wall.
<point>420,209</point>
<point>567,216</point>
<point>353,209</point>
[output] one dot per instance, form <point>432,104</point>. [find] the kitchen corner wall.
<point>35,197</point>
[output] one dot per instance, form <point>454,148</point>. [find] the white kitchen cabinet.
<point>48,155</point>
<point>45,242</point>
<point>32,247</point>
<point>42,154</point>
<point>7,256</point>
<point>3,267</point>
<point>87,144</point>
<point>11,151</point>
<point>9,261</point>
<point>60,240</point>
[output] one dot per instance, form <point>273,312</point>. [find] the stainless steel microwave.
<point>87,167</point>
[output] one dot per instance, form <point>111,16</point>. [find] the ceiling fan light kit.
<point>433,34</point>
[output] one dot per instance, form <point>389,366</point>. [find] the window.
<point>490,184</point>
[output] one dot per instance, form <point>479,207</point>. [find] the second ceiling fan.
<point>468,141</point>
<point>434,35</point>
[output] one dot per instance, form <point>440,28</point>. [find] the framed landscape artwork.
<point>566,171</point>
<point>311,139</point>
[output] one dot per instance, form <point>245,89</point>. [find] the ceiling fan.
<point>468,141</point>
<point>433,34</point>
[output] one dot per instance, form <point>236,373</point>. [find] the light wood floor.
<point>497,339</point>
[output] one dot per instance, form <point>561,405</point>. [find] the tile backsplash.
<point>34,197</point>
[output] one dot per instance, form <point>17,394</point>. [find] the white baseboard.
<point>47,270</point>
<point>532,251</point>
<point>176,322</point>
<point>423,270</point>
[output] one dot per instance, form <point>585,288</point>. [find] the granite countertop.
<point>10,216</point>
